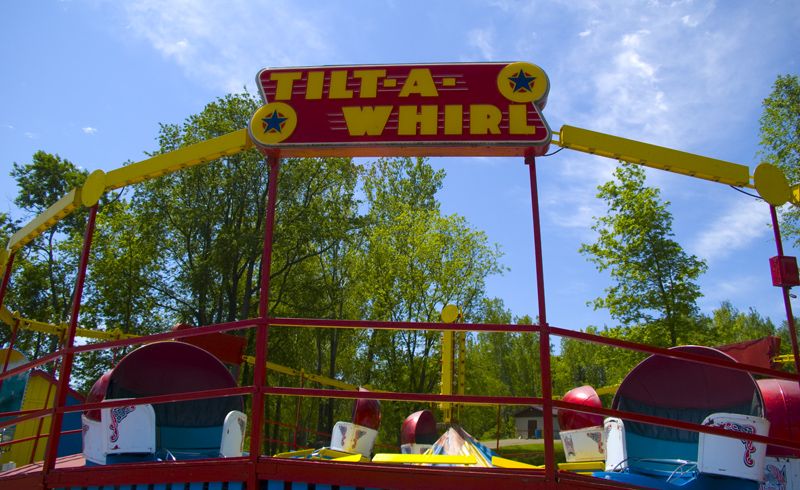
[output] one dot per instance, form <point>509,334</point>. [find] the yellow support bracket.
<point>49,217</point>
<point>189,156</point>
<point>100,182</point>
<point>654,156</point>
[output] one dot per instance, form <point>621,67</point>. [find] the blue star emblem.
<point>273,122</point>
<point>521,81</point>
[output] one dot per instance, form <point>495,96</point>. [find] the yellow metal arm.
<point>654,156</point>
<point>52,215</point>
<point>166,163</point>
<point>100,182</point>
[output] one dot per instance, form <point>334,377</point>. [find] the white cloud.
<point>8,126</point>
<point>742,224</point>
<point>585,33</point>
<point>30,135</point>
<point>740,289</point>
<point>89,130</point>
<point>222,44</point>
<point>483,39</point>
<point>689,21</point>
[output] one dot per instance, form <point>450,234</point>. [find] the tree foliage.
<point>653,277</point>
<point>780,141</point>
<point>353,240</point>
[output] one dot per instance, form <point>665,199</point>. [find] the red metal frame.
<point>785,289</point>
<point>262,335</point>
<point>544,328</point>
<point>254,468</point>
<point>69,355</point>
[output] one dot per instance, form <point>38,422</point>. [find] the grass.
<point>530,453</point>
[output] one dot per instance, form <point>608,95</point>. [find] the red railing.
<point>259,389</point>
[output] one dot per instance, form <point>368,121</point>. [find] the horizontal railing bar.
<point>723,363</point>
<point>179,334</point>
<point>157,399</point>
<point>31,438</point>
<point>26,415</point>
<point>675,424</point>
<point>391,325</point>
<point>30,365</point>
<point>404,397</point>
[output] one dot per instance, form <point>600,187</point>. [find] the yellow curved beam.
<point>654,156</point>
<point>49,217</point>
<point>189,156</point>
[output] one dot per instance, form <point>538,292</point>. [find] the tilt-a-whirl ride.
<point>170,415</point>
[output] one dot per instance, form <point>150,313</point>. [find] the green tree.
<point>653,276</point>
<point>780,141</point>
<point>44,271</point>
<point>728,325</point>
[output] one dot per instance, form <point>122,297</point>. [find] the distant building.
<point>528,423</point>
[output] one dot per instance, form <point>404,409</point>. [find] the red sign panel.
<point>375,110</point>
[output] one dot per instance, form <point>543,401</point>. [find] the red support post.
<point>544,333</point>
<point>69,341</point>
<point>262,335</point>
<point>786,301</point>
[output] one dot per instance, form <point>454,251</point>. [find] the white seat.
<point>616,451</point>
<point>129,429</point>
<point>233,431</point>
<point>739,458</point>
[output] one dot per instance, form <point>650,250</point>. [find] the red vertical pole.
<point>786,302</point>
<point>262,336</point>
<point>66,365</point>
<point>544,329</point>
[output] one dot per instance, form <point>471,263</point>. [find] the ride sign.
<point>398,110</point>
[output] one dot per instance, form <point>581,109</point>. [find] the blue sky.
<point>92,80</point>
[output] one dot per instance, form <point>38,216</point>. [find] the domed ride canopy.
<point>192,427</point>
<point>681,390</point>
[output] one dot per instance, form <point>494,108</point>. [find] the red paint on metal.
<point>544,328</point>
<point>419,428</point>
<point>689,356</point>
<point>30,438</point>
<point>97,394</point>
<point>782,407</point>
<point>660,381</point>
<point>786,302</point>
<point>784,271</point>
<point>181,334</point>
<point>676,424</point>
<point>367,411</point>
<point>156,399</point>
<point>227,348</point>
<point>582,395</point>
<point>262,334</point>
<point>321,125</point>
<point>404,396</point>
<point>66,364</point>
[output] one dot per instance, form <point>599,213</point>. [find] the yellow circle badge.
<point>273,123</point>
<point>522,82</point>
